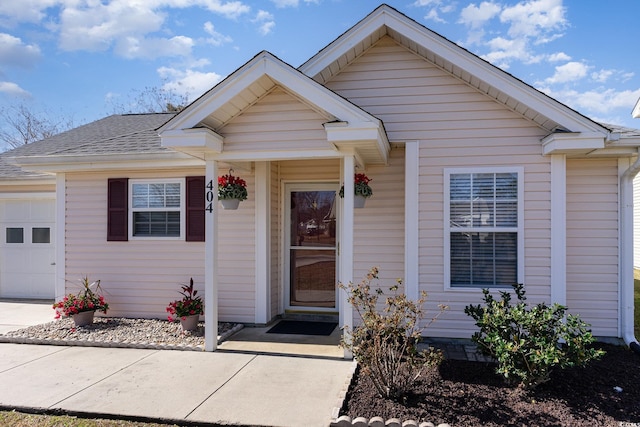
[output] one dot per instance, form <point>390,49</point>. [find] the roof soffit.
<point>469,68</point>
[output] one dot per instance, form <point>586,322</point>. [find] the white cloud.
<point>291,3</point>
<point>434,16</point>
<point>558,57</point>
<point>14,52</point>
<point>476,16</point>
<point>17,11</point>
<point>598,103</point>
<point>188,82</point>
<point>437,9</point>
<point>504,51</point>
<point>12,89</point>
<point>98,26</point>
<point>151,48</point>
<point>265,21</point>
<point>569,72</point>
<point>602,76</point>
<point>535,19</point>
<point>216,38</point>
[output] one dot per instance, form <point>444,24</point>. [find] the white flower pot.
<point>84,318</point>
<point>358,201</point>
<point>189,323</point>
<point>230,204</point>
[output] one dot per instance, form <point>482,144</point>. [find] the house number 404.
<point>209,197</point>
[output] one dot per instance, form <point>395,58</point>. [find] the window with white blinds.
<point>483,228</point>
<point>156,208</point>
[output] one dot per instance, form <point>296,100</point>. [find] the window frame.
<point>181,209</point>
<point>518,229</point>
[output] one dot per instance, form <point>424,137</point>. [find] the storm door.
<point>311,247</point>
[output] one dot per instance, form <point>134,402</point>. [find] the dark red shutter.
<point>195,208</point>
<point>117,210</point>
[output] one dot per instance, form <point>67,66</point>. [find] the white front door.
<point>27,249</point>
<point>311,247</point>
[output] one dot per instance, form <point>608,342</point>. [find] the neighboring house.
<point>479,181</point>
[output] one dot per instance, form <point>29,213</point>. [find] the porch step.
<point>311,317</point>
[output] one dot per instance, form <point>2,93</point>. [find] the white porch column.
<point>263,242</point>
<point>346,245</point>
<point>211,257</point>
<point>411,238</point>
<point>559,229</point>
<point>61,273</point>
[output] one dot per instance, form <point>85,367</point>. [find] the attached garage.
<point>27,247</point>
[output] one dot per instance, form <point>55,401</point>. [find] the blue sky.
<point>79,58</point>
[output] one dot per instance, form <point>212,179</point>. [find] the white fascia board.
<point>55,164</point>
<point>315,94</point>
<point>636,110</point>
<point>274,155</point>
<point>459,57</point>
<point>200,139</point>
<point>567,143</point>
<point>343,134</point>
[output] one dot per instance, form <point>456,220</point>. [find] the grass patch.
<point>19,419</point>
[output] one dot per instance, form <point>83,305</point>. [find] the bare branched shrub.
<point>384,344</point>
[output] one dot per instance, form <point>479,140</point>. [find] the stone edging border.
<point>114,344</point>
<point>346,421</point>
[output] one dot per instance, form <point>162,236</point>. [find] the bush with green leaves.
<point>385,342</point>
<point>528,343</point>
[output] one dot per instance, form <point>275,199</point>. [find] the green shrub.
<point>529,343</point>
<point>384,344</point>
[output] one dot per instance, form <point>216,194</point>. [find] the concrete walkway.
<point>236,386</point>
<point>220,388</point>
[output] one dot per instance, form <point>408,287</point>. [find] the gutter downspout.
<point>626,255</point>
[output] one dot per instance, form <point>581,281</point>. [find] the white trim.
<point>411,220</point>
<point>211,261</point>
<point>181,209</point>
<point>345,256</point>
<point>446,225</point>
<point>290,186</point>
<point>60,249</point>
<point>559,229</point>
<point>263,242</point>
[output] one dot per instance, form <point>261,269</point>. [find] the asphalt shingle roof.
<point>116,134</point>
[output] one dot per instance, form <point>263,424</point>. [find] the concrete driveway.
<point>18,314</point>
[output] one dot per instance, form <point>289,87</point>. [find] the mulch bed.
<point>464,393</point>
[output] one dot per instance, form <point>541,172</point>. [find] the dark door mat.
<point>300,327</point>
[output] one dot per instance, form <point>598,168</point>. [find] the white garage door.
<point>27,248</point>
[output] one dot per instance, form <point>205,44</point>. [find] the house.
<point>479,181</point>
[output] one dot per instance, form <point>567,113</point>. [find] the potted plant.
<point>231,190</point>
<point>82,306</point>
<point>361,188</point>
<point>188,309</point>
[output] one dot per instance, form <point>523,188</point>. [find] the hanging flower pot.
<point>231,190</point>
<point>361,189</point>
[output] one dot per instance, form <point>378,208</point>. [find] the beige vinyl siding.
<point>140,277</point>
<point>379,227</point>
<point>22,189</point>
<point>456,126</point>
<point>278,121</point>
<point>592,243</point>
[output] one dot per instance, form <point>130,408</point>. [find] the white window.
<point>483,223</point>
<point>156,208</point>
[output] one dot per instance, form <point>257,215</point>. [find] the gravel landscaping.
<point>118,332</point>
